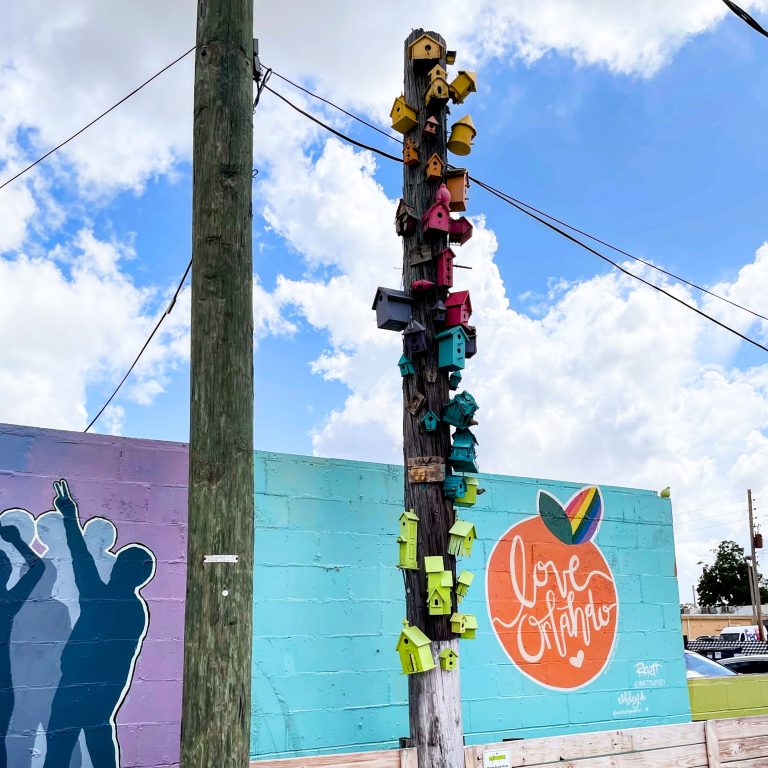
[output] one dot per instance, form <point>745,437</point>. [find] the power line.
<point>744,16</point>
<point>96,119</point>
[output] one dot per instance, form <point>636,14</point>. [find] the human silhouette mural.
<point>72,623</point>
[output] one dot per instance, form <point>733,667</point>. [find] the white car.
<point>700,666</point>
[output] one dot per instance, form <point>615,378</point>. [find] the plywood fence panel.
<point>387,758</point>
<point>741,726</point>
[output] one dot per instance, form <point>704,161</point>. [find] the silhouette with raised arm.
<point>11,601</point>
<point>97,662</point>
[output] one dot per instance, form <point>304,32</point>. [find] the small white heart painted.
<point>577,660</point>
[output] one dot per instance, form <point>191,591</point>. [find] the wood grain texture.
<point>386,758</point>
<point>712,744</point>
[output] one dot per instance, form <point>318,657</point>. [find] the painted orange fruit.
<point>551,594</point>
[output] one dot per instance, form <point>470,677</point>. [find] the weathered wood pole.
<point>434,697</point>
<point>216,708</point>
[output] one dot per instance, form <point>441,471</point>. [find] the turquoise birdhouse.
<point>454,485</point>
<point>454,380</point>
<point>463,455</point>
<point>460,411</point>
<point>430,420</point>
<point>451,348</point>
<point>406,366</point>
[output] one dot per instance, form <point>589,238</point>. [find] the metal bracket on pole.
<point>256,62</point>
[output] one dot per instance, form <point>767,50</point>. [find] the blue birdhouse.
<point>415,337</point>
<point>454,485</point>
<point>451,348</point>
<point>463,456</point>
<point>454,380</point>
<point>430,420</point>
<point>393,309</point>
<point>460,411</point>
<point>406,366</point>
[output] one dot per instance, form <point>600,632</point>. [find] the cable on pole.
<point>744,16</point>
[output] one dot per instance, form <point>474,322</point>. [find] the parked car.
<point>707,638</point>
<point>697,665</point>
<point>740,634</point>
<point>747,665</point>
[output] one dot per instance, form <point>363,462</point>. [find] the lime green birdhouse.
<point>462,537</point>
<point>414,649</point>
<point>470,627</point>
<point>439,593</point>
<point>469,497</point>
<point>407,540</point>
<point>403,116</point>
<point>463,583</point>
<point>458,623</point>
<point>433,564</point>
<point>449,660</point>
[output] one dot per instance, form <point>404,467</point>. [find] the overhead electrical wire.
<point>744,16</point>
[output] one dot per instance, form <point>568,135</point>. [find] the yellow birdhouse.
<point>457,181</point>
<point>462,85</point>
<point>434,168</point>
<point>410,153</point>
<point>437,73</point>
<point>462,134</point>
<point>450,58</point>
<point>403,116</point>
<point>414,649</point>
<point>407,539</point>
<point>449,660</point>
<point>437,94</point>
<point>425,49</point>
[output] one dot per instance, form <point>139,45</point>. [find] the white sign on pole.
<point>497,758</point>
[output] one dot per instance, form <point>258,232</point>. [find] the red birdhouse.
<point>430,127</point>
<point>458,308</point>
<point>444,268</point>
<point>422,286</point>
<point>437,220</point>
<point>460,231</point>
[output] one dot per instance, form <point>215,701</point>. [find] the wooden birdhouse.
<point>430,420</point>
<point>437,311</point>
<point>393,309</point>
<point>415,338</point>
<point>434,168</point>
<point>437,73</point>
<point>463,583</point>
<point>416,402</point>
<point>454,380</point>
<point>462,135</point>
<point>451,348</point>
<point>437,94</point>
<point>454,485</point>
<point>436,221</point>
<point>469,498</point>
<point>425,49</point>
<point>458,623</point>
<point>471,341</point>
<point>450,58</point>
<point>463,456</point>
<point>444,268</point>
<point>407,540</point>
<point>433,564</point>
<point>470,627</point>
<point>406,366</point>
<point>758,540</point>
<point>430,127</point>
<point>422,286</point>
<point>449,660</point>
<point>406,220</point>
<point>462,85</point>
<point>403,116</point>
<point>414,649</point>
<point>458,308</point>
<point>461,538</point>
<point>421,254</point>
<point>459,412</point>
<point>411,155</point>
<point>457,181</point>
<point>460,231</point>
<point>439,598</point>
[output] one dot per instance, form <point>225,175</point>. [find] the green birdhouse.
<point>454,380</point>
<point>407,539</point>
<point>430,420</point>
<point>451,348</point>
<point>469,497</point>
<point>463,583</point>
<point>462,537</point>
<point>460,411</point>
<point>414,649</point>
<point>406,366</point>
<point>449,660</point>
<point>439,593</point>
<point>454,486</point>
<point>464,624</point>
<point>433,564</point>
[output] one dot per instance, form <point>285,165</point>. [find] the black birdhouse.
<point>415,336</point>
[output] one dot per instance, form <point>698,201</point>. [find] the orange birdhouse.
<point>457,181</point>
<point>403,116</point>
<point>434,168</point>
<point>462,85</point>
<point>462,134</point>
<point>411,154</point>
<point>425,49</point>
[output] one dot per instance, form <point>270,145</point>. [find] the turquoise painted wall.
<point>329,606</point>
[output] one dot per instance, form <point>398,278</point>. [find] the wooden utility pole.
<point>435,696</point>
<point>754,575</point>
<point>216,708</point>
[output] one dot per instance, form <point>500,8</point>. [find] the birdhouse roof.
<point>452,331</point>
<point>433,564</point>
<point>464,437</point>
<point>466,577</point>
<point>470,621</point>
<point>472,77</point>
<point>414,635</point>
<point>424,38</point>
<point>458,617</point>
<point>392,293</point>
<point>458,298</point>
<point>462,528</point>
<point>467,120</point>
<point>400,102</point>
<point>404,209</point>
<point>439,589</point>
<point>447,253</point>
<point>409,514</point>
<point>437,71</point>
<point>432,120</point>
<point>448,653</point>
<point>404,359</point>
<point>436,157</point>
<point>414,327</point>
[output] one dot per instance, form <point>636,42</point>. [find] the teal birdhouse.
<point>449,660</point>
<point>430,420</point>
<point>414,649</point>
<point>460,411</point>
<point>463,583</point>
<point>406,366</point>
<point>454,485</point>
<point>461,538</point>
<point>454,380</point>
<point>407,540</point>
<point>463,455</point>
<point>451,348</point>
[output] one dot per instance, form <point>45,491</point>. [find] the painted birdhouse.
<point>439,599</point>
<point>406,220</point>
<point>457,181</point>
<point>463,456</point>
<point>430,127</point>
<point>449,660</point>
<point>425,49</point>
<point>406,366</point>
<point>471,341</point>
<point>451,348</point>
<point>469,499</point>
<point>436,221</point>
<point>458,623</point>
<point>437,73</point>
<point>462,85</point>
<point>470,627</point>
<point>460,411</point>
<point>437,311</point>
<point>460,230</point>
<point>430,420</point>
<point>434,168</point>
<point>411,155</point>
<point>415,338</point>
<point>454,380</point>
<point>404,116</point>
<point>422,286</point>
<point>437,94</point>
<point>454,485</point>
<point>414,649</point>
<point>458,307</point>
<point>393,309</point>
<point>444,268</point>
<point>433,564</point>
<point>463,583</point>
<point>407,540</point>
<point>462,135</point>
<point>421,254</point>
<point>461,538</point>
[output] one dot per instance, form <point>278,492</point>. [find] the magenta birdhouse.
<point>460,231</point>
<point>422,286</point>
<point>458,308</point>
<point>444,268</point>
<point>437,219</point>
<point>430,127</point>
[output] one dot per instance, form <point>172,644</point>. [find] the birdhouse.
<point>463,453</point>
<point>411,155</point>
<point>444,268</point>
<point>437,73</point>
<point>430,420</point>
<point>454,380</point>
<point>434,168</point>
<point>463,583</point>
<point>404,117</point>
<point>450,58</point>
<point>393,309</point>
<point>454,485</point>
<point>451,348</point>
<point>470,627</point>
<point>449,660</point>
<point>457,181</point>
<point>430,127</point>
<point>415,404</point>
<point>436,221</point>
<point>469,498</point>
<point>462,85</point>
<point>415,337</point>
<point>471,341</point>
<point>462,134</point>
<point>433,564</point>
<point>437,94</point>
<point>460,231</point>
<point>406,220</point>
<point>425,49</point>
<point>459,412</point>
<point>461,538</point>
<point>421,254</point>
<point>437,311</point>
<point>439,599</point>
<point>458,623</point>
<point>406,366</point>
<point>458,308</point>
<point>414,649</point>
<point>407,540</point>
<point>422,286</point>
<point>758,541</point>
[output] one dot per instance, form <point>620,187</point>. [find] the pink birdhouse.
<point>444,268</point>
<point>458,308</point>
<point>437,219</point>
<point>460,230</point>
<point>422,286</point>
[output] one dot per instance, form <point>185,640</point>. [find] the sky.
<point>642,123</point>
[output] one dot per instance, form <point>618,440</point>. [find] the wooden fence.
<point>732,743</point>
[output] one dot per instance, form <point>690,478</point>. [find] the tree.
<point>726,581</point>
